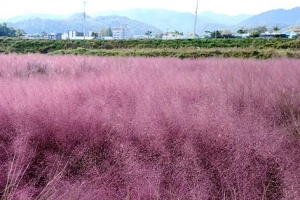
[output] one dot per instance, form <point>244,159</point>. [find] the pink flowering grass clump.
<point>74,127</point>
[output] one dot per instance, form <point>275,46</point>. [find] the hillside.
<point>225,19</point>
<point>173,20</point>
<point>36,15</point>
<point>168,19</point>
<point>75,22</point>
<point>280,17</point>
<point>156,20</point>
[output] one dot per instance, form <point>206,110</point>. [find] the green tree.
<point>94,35</point>
<point>261,29</point>
<point>3,29</point>
<point>7,31</point>
<point>241,31</point>
<point>105,32</point>
<point>109,32</point>
<point>102,32</point>
<point>208,32</point>
<point>176,33</point>
<point>216,34</point>
<point>226,34</point>
<point>158,35</point>
<point>19,32</point>
<point>148,34</point>
<point>254,34</point>
<point>43,34</point>
<point>257,31</point>
<point>276,28</point>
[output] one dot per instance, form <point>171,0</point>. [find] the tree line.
<point>252,32</point>
<point>6,31</point>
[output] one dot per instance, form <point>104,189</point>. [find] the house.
<point>141,37</point>
<point>239,35</point>
<point>104,38</point>
<point>171,35</point>
<point>268,35</point>
<point>291,34</point>
<point>27,36</point>
<point>55,36</point>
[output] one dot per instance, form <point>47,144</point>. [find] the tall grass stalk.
<point>75,127</point>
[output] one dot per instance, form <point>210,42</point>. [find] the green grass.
<point>182,48</point>
<point>185,53</point>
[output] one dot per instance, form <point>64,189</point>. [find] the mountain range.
<point>37,24</point>
<point>161,17</point>
<point>41,16</point>
<point>183,21</point>
<point>280,17</point>
<point>156,20</point>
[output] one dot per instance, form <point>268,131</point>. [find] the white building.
<point>55,36</point>
<point>74,35</point>
<point>172,35</point>
<point>121,32</point>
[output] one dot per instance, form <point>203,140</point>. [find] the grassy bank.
<point>185,53</point>
<point>188,48</point>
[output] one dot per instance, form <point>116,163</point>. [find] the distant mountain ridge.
<point>75,22</point>
<point>225,19</point>
<point>209,21</point>
<point>280,17</point>
<point>167,19</point>
<point>155,20</point>
<point>36,15</point>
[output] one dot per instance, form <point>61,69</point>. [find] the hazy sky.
<point>9,8</point>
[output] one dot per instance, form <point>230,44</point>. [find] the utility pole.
<point>84,17</point>
<point>196,19</point>
<point>167,33</point>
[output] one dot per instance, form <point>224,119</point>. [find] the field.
<point>82,127</point>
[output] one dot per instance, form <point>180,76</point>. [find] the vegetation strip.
<point>187,48</point>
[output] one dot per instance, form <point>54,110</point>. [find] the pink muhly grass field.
<point>74,127</point>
